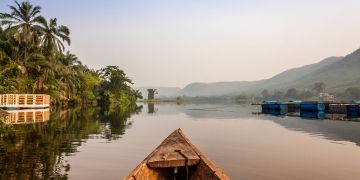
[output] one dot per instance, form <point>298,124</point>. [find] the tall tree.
<point>54,35</point>
<point>151,94</point>
<point>319,87</point>
<point>117,79</point>
<point>292,93</point>
<point>24,22</point>
<point>32,61</point>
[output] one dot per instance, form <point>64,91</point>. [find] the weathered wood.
<point>144,172</point>
<point>213,172</point>
<point>167,155</point>
<point>337,108</point>
<point>203,169</point>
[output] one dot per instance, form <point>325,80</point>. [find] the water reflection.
<point>309,123</point>
<point>275,112</point>
<point>37,150</point>
<point>347,129</point>
<point>328,129</point>
<point>312,114</point>
<point>151,108</point>
<point>24,116</point>
<point>249,143</point>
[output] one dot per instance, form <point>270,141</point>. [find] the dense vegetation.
<point>32,60</point>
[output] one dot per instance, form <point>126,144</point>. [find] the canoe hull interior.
<point>203,169</point>
<point>199,172</point>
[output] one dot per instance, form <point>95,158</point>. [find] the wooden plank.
<point>213,172</point>
<point>168,155</point>
<point>204,170</point>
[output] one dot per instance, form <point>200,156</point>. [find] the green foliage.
<point>32,60</point>
<point>115,89</point>
<point>292,93</point>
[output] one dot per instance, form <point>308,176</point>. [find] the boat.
<point>177,158</point>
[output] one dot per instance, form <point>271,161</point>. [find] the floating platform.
<point>24,101</point>
<point>352,111</point>
<point>312,106</point>
<point>274,105</point>
<point>293,106</point>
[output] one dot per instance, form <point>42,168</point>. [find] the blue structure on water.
<point>311,110</point>
<point>352,111</point>
<point>276,108</point>
<point>312,106</point>
<point>274,105</point>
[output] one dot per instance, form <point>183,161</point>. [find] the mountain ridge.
<point>337,72</point>
<point>238,87</point>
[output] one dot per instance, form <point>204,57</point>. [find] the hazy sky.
<point>176,42</point>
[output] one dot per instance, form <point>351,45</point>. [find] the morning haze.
<point>240,89</point>
<point>173,43</point>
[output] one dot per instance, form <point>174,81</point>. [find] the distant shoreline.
<point>164,101</point>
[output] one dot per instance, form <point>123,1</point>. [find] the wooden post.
<point>16,100</point>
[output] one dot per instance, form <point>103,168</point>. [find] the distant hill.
<point>293,77</point>
<point>337,76</point>
<point>280,81</point>
<point>338,73</point>
<point>162,91</point>
<point>214,89</point>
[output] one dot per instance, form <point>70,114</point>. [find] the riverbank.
<point>164,101</point>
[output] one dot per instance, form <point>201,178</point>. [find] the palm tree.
<point>54,35</point>
<point>69,59</point>
<point>23,22</point>
<point>69,74</point>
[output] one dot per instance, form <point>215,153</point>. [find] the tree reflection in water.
<point>37,151</point>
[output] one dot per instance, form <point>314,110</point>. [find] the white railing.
<point>24,100</point>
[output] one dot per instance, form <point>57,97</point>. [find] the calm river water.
<point>89,144</point>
